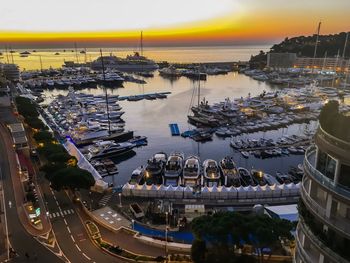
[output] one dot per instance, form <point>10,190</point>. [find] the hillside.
<point>304,46</point>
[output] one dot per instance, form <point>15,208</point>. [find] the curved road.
<point>19,238</point>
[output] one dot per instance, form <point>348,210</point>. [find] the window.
<point>326,164</point>
<point>344,175</point>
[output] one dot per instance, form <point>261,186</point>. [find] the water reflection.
<point>152,118</point>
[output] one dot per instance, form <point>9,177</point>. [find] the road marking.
<point>72,238</point>
<point>57,203</point>
<point>65,212</point>
<point>65,222</point>
<point>62,214</point>
<point>86,256</point>
<point>68,229</point>
<point>78,247</point>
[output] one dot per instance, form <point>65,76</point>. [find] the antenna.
<point>104,80</point>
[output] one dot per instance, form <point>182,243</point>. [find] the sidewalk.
<point>18,189</point>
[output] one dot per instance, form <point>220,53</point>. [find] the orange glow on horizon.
<point>241,27</point>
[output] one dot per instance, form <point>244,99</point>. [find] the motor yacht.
<point>283,178</point>
<point>137,176</point>
<point>246,177</point>
<point>155,168</point>
<point>211,173</point>
<point>173,169</point>
<point>108,148</point>
<point>258,177</point>
<point>191,171</point>
<point>230,173</point>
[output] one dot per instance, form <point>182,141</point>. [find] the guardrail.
<point>333,140</point>
<point>320,178</point>
<point>342,225</point>
<point>319,244</point>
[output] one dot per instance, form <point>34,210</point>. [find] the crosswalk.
<point>105,199</point>
<point>61,214</point>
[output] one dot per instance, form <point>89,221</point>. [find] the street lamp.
<point>120,199</point>
<point>166,236</point>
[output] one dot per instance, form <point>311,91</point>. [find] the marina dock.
<point>174,128</point>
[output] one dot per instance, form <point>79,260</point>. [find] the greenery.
<point>334,122</point>
<point>304,46</point>
<point>60,168</point>
<point>217,235</point>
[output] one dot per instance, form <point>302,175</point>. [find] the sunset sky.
<point>52,23</point>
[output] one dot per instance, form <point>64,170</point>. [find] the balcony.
<point>305,258</point>
<point>309,161</point>
<point>326,251</point>
<point>333,140</point>
<point>337,223</point>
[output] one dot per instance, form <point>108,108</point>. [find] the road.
<point>19,239</point>
<point>70,231</point>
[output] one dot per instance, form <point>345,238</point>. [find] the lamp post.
<point>166,236</point>
<point>120,199</point>
<point>133,223</point>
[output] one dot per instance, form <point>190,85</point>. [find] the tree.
<point>43,136</point>
<point>73,178</point>
<point>222,231</point>
<point>198,250</point>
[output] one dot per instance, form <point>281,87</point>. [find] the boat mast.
<point>346,42</point>
<point>141,43</point>
<point>199,87</point>
<point>11,54</point>
<point>7,55</point>
<point>76,52</point>
<point>106,95</point>
<point>85,58</point>
<point>316,44</point>
<point>344,49</point>
<point>41,64</point>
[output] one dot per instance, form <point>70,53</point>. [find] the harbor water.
<point>151,118</point>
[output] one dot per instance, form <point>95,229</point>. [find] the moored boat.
<point>192,171</point>
<point>229,171</point>
<point>211,173</point>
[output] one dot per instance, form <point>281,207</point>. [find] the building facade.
<point>290,60</point>
<point>331,64</point>
<point>323,231</point>
<point>10,71</point>
<point>281,60</point>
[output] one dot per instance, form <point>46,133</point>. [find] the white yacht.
<point>134,62</point>
<point>192,171</point>
<point>211,173</point>
<point>173,169</point>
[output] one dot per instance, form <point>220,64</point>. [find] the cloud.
<point>97,15</point>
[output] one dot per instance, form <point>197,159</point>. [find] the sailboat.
<point>202,134</point>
